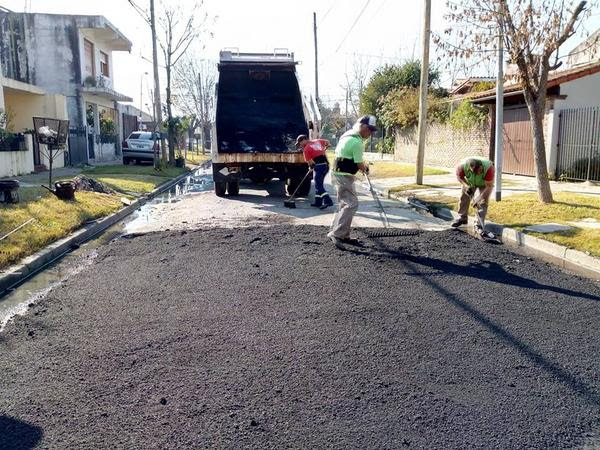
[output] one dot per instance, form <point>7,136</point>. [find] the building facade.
<point>68,57</point>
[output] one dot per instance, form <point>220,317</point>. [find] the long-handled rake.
<point>290,203</point>
<point>387,231</point>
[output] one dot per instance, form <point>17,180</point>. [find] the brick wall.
<point>445,145</point>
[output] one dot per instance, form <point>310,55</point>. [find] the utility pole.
<point>157,102</point>
<point>498,144</point>
<point>141,98</point>
<point>423,91</point>
<point>316,59</point>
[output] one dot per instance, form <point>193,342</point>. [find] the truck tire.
<point>233,187</point>
<point>220,188</point>
<point>303,190</point>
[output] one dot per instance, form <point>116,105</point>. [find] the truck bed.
<point>259,109</point>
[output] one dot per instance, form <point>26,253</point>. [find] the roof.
<point>461,83</point>
<point>555,78</point>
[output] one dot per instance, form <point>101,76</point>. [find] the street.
<point>235,323</point>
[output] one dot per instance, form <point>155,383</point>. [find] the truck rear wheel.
<point>220,188</point>
<point>233,187</point>
<point>303,189</point>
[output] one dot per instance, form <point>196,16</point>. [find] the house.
<point>464,86</point>
<point>65,64</point>
<point>571,124</point>
<point>586,52</point>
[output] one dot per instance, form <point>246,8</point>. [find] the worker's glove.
<point>366,171</point>
<point>469,191</point>
<point>477,202</point>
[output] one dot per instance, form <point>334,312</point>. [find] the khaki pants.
<point>465,201</point>
<point>348,204</point>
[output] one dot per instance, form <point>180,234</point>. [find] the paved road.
<point>267,337</point>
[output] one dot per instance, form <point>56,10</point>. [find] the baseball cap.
<point>369,121</point>
<point>300,138</point>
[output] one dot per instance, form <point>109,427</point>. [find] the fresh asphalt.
<point>269,337</point>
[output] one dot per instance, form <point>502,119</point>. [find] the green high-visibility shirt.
<point>350,146</point>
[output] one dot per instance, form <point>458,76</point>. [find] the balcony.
<point>102,87</point>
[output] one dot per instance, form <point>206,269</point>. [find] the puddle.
<point>17,301</point>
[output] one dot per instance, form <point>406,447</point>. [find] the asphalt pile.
<point>271,337</point>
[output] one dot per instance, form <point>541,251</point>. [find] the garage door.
<point>518,143</point>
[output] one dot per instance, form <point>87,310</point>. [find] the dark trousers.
<point>321,195</point>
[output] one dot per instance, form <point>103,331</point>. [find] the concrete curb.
<point>562,256</point>
<point>30,265</point>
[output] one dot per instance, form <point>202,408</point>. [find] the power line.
<point>333,3</point>
<point>353,25</point>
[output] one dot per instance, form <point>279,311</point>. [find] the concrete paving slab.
<point>548,228</point>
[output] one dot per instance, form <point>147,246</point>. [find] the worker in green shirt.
<point>348,161</point>
<point>475,174</point>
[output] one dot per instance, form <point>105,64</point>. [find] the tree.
<point>534,30</point>
<point>181,26</point>
<point>400,108</point>
<point>355,81</point>
<point>390,77</point>
<point>194,83</point>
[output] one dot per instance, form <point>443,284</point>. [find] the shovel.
<point>290,203</point>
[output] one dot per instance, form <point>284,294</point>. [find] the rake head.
<point>392,232</point>
<point>289,204</point>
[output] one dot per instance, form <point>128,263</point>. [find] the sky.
<point>386,31</point>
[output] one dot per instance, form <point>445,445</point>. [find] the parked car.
<point>140,146</point>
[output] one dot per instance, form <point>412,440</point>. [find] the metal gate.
<point>579,144</point>
<point>518,143</point>
<point>78,146</point>
<point>130,124</point>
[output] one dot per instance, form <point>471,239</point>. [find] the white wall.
<point>580,93</point>
<point>17,163</point>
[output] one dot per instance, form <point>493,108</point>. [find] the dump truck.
<point>259,112</point>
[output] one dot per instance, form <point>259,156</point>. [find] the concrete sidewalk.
<point>511,185</point>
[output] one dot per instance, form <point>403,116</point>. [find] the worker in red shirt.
<point>314,154</point>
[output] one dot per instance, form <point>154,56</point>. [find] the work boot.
<point>327,202</point>
<point>460,221</point>
<point>352,241</point>
<point>318,203</point>
<point>336,241</point>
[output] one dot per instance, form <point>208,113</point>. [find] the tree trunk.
<point>536,110</point>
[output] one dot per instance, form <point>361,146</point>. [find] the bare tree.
<point>356,80</point>
<point>534,30</point>
<point>195,81</point>
<point>181,26</point>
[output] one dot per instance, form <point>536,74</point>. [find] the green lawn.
<point>391,169</point>
<point>197,158</point>
<point>55,219</point>
<point>416,187</point>
<point>520,211</point>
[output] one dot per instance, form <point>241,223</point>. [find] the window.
<point>89,58</point>
<point>104,64</point>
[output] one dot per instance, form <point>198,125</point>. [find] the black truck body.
<point>259,113</point>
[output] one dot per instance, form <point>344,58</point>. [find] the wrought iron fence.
<point>579,144</point>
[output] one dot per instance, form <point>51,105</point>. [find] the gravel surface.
<point>271,338</point>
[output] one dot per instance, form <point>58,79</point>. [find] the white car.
<point>140,146</point>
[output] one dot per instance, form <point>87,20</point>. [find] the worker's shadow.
<point>16,434</point>
<point>488,271</point>
<point>491,271</point>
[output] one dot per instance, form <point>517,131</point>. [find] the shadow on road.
<point>489,271</point>
<point>18,435</point>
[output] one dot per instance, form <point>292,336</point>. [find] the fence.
<point>445,146</point>
<point>579,144</point>
<point>78,146</point>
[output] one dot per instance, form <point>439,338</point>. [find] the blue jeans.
<point>321,195</point>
